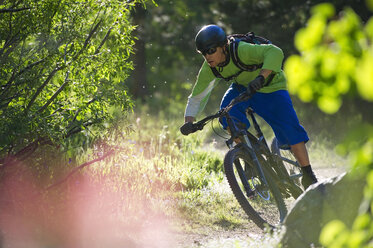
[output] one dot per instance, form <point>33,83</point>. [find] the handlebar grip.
<point>187,128</point>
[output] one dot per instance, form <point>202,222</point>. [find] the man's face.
<point>214,56</point>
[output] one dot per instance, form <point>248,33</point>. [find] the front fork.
<point>250,150</point>
<point>248,147</point>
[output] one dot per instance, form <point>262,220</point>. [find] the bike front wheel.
<point>259,197</point>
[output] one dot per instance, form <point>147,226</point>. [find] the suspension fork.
<point>250,150</point>
<point>235,133</point>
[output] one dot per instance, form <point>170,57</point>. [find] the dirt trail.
<point>208,237</point>
<point>324,173</point>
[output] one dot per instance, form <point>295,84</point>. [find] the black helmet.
<point>210,36</point>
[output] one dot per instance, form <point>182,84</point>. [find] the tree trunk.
<point>139,86</point>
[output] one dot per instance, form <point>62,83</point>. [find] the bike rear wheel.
<point>291,172</point>
<point>261,199</point>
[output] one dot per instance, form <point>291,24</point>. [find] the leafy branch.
<point>2,11</point>
<point>35,73</point>
<point>92,32</point>
<point>40,89</point>
<point>64,179</point>
<point>16,75</point>
<point>25,152</point>
<point>53,73</point>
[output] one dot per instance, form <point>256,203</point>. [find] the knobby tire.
<point>239,152</point>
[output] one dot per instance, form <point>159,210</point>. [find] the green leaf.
<point>329,104</point>
<point>325,10</point>
<point>333,231</point>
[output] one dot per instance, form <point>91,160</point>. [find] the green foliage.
<point>336,62</point>
<point>336,59</point>
<point>62,69</point>
<point>159,136</point>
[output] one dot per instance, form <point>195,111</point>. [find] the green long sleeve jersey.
<point>270,55</point>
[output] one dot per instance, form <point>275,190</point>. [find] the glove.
<point>257,83</point>
<point>187,128</point>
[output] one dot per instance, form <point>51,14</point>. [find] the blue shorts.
<point>275,108</point>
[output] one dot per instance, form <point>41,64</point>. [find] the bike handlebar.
<point>190,127</point>
<point>240,98</point>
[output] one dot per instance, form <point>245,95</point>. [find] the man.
<point>271,100</point>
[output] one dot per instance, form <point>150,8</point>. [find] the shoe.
<point>308,179</point>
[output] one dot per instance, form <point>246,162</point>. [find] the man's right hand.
<point>187,128</point>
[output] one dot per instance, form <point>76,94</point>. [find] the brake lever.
<point>198,126</point>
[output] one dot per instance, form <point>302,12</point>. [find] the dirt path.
<point>244,235</point>
<point>324,173</point>
<point>208,237</point>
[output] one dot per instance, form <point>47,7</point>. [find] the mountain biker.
<point>271,100</point>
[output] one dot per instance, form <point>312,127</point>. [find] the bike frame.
<point>263,144</point>
<point>250,142</point>
<point>242,134</point>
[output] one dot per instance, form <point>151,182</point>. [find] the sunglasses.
<point>209,51</point>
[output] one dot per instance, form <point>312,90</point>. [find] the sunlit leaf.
<point>329,104</point>
<point>329,64</point>
<point>305,93</point>
<point>308,37</point>
<point>358,238</point>
<point>364,76</point>
<point>364,155</point>
<point>362,221</point>
<point>342,84</point>
<point>298,72</point>
<point>325,9</point>
<point>332,231</point>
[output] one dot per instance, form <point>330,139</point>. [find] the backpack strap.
<point>233,47</point>
<point>218,75</point>
<point>233,51</point>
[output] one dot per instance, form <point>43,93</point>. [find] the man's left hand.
<point>257,83</point>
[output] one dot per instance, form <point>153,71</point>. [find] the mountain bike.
<point>260,177</point>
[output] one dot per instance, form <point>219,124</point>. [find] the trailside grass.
<point>180,178</point>
<point>158,187</point>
